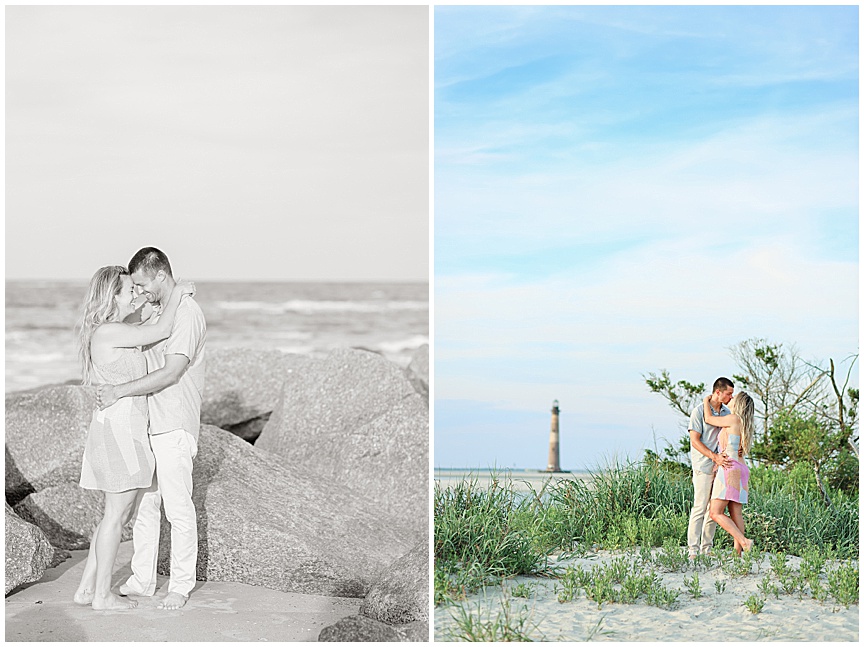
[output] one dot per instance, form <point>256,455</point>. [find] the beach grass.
<point>485,534</point>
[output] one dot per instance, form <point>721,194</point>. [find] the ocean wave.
<point>38,358</point>
<point>401,345</point>
<point>305,306</point>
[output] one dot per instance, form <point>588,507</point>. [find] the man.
<point>704,443</point>
<point>174,385</point>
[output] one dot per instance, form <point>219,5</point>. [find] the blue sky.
<point>620,190</point>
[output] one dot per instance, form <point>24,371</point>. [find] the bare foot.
<point>173,601</point>
<point>83,597</point>
<point>747,544</point>
<point>113,603</point>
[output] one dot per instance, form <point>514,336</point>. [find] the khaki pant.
<point>700,531</point>
<point>172,486</point>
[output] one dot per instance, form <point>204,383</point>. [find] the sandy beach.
<point>715,616</point>
<point>522,480</point>
<point>216,611</point>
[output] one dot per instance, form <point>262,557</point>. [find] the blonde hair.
<point>99,306</point>
<point>743,407</point>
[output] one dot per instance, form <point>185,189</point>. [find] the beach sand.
<point>714,617</point>
<point>521,480</point>
<point>216,611</point>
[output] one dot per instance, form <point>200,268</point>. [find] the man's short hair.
<point>150,260</point>
<point>720,384</point>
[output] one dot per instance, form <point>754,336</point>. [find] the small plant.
<point>590,635</point>
<point>755,604</point>
<point>645,554</point>
<point>570,584</point>
<point>660,596</point>
<point>779,565</point>
<point>703,561</point>
<point>736,566</point>
<point>767,587</point>
<point>600,587</point>
<point>522,590</point>
<point>692,585</point>
<point>813,561</point>
<point>672,557</point>
<point>618,569</point>
<point>719,586</point>
<point>508,625</point>
<point>843,584</point>
<point>818,592</point>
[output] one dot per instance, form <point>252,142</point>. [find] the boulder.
<point>353,419</point>
<point>243,386</point>
<point>362,629</point>
<point>396,607</point>
<point>402,595</point>
<point>28,552</point>
<point>67,514</point>
<point>45,434</point>
<point>263,524</point>
<point>418,370</point>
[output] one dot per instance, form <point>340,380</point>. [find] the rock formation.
<point>28,552</point>
<point>354,420</point>
<point>418,371</point>
<point>243,387</point>
<point>261,523</point>
<point>396,607</point>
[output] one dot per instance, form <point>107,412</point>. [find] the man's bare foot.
<point>173,601</point>
<point>113,603</point>
<point>747,545</point>
<point>83,597</point>
<point>125,589</point>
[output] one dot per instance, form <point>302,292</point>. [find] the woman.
<point>730,483</point>
<point>117,455</point>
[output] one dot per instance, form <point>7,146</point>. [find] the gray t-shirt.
<point>179,406</point>
<point>709,434</point>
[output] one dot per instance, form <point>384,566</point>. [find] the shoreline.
<point>522,480</point>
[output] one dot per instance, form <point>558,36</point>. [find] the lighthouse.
<point>554,452</point>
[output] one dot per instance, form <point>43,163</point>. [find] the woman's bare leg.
<point>717,508</point>
<point>117,508</point>
<point>736,511</point>
<point>84,594</point>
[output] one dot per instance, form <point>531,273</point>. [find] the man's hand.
<point>722,460</point>
<point>105,395</point>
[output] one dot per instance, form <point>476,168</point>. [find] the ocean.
<point>304,318</point>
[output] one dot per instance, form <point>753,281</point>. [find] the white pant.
<point>700,531</point>
<point>172,485</point>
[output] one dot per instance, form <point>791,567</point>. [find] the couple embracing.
<point>144,435</point>
<point>720,437</point>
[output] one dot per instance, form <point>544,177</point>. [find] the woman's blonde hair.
<point>743,407</point>
<point>99,306</point>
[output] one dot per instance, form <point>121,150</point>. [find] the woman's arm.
<point>121,335</point>
<point>717,421</point>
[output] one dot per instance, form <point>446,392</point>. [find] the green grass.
<point>483,535</point>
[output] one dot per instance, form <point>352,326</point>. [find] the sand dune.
<point>715,616</point>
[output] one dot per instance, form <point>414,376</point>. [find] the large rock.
<point>243,386</point>
<point>67,514</point>
<point>28,552</point>
<point>418,370</point>
<point>396,607</point>
<point>402,595</point>
<point>45,434</point>
<point>362,629</point>
<point>264,524</point>
<point>353,419</point>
